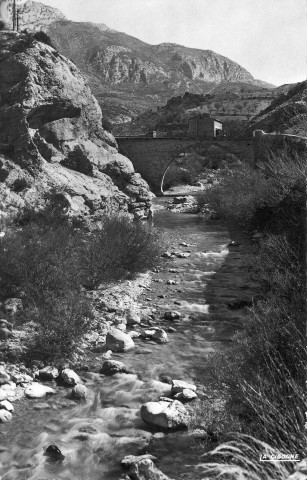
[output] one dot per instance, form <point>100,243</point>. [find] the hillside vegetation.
<point>287,113</point>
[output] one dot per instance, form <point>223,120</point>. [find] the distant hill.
<point>127,75</point>
<point>287,113</point>
<point>230,102</point>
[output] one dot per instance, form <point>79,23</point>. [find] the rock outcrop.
<point>51,136</point>
<point>35,15</point>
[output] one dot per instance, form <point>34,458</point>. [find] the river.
<point>95,436</point>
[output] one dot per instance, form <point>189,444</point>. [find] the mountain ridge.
<point>127,75</point>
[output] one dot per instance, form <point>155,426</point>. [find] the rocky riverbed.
<point>133,387</point>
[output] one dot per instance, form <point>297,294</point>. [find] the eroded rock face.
<point>51,138</point>
<point>35,15</point>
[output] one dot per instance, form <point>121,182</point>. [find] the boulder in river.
<point>69,377</point>
<point>172,315</point>
<point>145,469</point>
<point>48,374</point>
<point>130,459</point>
<point>118,341</point>
<point>5,416</point>
<point>186,395</point>
<point>179,385</point>
<point>160,335</point>
<point>6,405</point>
<point>182,254</point>
<point>133,318</point>
<point>54,452</point>
<point>166,255</point>
<point>79,392</point>
<point>37,390</point>
<point>165,415</point>
<point>20,378</point>
<point>111,367</point>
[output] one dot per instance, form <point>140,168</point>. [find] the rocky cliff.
<point>51,138</point>
<point>36,16</point>
<point>127,75</point>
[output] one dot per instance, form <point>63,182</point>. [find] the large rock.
<point>166,415</point>
<point>160,336</point>
<point>118,341</point>
<point>48,374</point>
<point>111,367</point>
<point>37,390</point>
<point>79,392</point>
<point>186,395</point>
<point>4,376</point>
<point>145,469</point>
<point>6,405</point>
<point>131,459</point>
<point>51,136</point>
<point>5,416</point>
<point>69,377</point>
<point>179,385</point>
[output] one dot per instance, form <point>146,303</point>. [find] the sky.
<point>267,37</point>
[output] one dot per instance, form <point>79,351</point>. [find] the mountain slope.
<point>127,75</point>
<point>231,102</point>
<point>286,114</point>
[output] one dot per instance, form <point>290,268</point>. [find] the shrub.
<point>62,322</point>
<point>119,250</point>
<point>38,259</point>
<point>249,197</point>
<point>43,38</point>
<point>44,259</point>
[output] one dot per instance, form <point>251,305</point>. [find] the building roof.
<point>200,117</point>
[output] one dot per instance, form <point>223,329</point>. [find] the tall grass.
<point>239,459</point>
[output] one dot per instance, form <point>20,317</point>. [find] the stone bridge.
<point>152,156</point>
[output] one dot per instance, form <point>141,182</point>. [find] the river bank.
<point>205,286</point>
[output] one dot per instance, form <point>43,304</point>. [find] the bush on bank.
<point>249,197</point>
<point>262,374</point>
<point>50,264</point>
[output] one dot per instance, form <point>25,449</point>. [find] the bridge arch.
<point>152,157</point>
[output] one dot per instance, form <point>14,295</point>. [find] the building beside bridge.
<point>205,127</point>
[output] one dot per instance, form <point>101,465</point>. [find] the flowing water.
<point>95,436</point>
